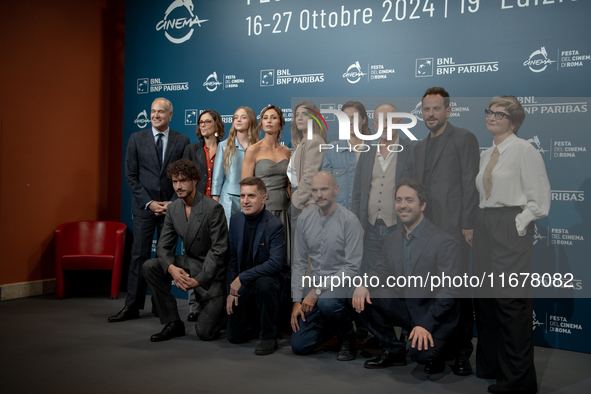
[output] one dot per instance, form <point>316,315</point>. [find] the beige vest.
<point>382,193</point>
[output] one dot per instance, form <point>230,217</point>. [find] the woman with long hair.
<point>306,160</point>
<point>227,171</point>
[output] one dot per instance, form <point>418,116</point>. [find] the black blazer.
<point>145,177</point>
<point>434,253</point>
<point>454,198</point>
<point>205,237</point>
<point>196,153</point>
<point>364,171</point>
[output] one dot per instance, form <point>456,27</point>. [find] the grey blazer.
<point>145,177</point>
<point>205,236</point>
<point>363,174</point>
<point>307,162</point>
<point>454,198</point>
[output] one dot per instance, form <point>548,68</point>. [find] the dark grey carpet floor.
<point>67,346</point>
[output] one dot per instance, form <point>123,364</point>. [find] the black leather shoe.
<point>266,346</point>
<point>348,351</point>
<point>495,389</point>
<point>434,367</point>
<point>386,359</point>
<point>192,317</point>
<point>125,314</point>
<point>171,330</point>
<point>462,366</point>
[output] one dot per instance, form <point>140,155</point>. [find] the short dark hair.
<point>217,120</point>
<point>438,91</point>
<point>422,192</point>
<point>254,181</point>
<point>183,167</point>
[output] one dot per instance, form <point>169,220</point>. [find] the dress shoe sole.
<point>388,365</point>
<point>162,338</point>
<point>462,372</point>
<point>266,352</point>
<point>348,357</point>
<point>117,318</point>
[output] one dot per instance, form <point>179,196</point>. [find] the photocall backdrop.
<point>224,54</point>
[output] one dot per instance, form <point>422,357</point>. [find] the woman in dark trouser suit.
<point>514,192</point>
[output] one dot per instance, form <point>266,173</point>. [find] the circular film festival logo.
<point>354,73</point>
<point>142,119</point>
<point>211,83</point>
<point>418,111</point>
<point>538,60</point>
<point>179,26</point>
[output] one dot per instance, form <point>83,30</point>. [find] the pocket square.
<point>263,244</point>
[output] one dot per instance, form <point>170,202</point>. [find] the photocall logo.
<point>418,111</point>
<point>354,73</point>
<point>178,26</point>
<point>142,119</point>
<point>535,141</point>
<point>538,60</point>
<point>212,83</point>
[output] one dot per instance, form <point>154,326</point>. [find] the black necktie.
<point>159,148</point>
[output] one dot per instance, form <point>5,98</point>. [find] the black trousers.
<point>256,312</point>
<point>383,314</point>
<point>141,250</point>
<point>209,323</point>
<point>505,349</point>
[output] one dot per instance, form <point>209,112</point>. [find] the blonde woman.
<point>227,170</point>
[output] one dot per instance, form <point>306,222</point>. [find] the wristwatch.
<point>319,291</point>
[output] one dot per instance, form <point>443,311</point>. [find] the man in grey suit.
<point>148,153</point>
<point>376,175</point>
<point>201,223</point>
<point>447,162</point>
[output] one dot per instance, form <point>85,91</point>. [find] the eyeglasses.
<point>497,115</point>
<point>205,122</point>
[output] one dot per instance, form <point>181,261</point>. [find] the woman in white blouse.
<point>514,192</point>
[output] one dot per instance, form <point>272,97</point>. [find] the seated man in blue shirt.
<point>331,238</point>
<point>418,249</point>
<point>257,258</point>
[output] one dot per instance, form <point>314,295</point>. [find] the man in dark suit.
<point>417,249</point>
<point>257,258</point>
<point>148,153</point>
<point>201,223</point>
<point>376,175</point>
<point>447,163</point>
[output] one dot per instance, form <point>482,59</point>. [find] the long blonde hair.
<point>253,136</point>
<point>297,135</point>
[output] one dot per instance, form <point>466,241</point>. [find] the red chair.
<point>92,245</point>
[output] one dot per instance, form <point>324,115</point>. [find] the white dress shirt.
<point>519,179</point>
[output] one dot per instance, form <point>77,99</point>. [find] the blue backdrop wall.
<point>223,54</point>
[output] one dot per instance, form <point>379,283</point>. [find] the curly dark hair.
<point>183,167</point>
<point>422,192</point>
<point>438,91</point>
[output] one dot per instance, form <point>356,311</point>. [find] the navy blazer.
<point>269,249</point>
<point>145,177</point>
<point>364,171</point>
<point>435,252</point>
